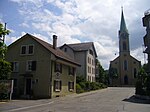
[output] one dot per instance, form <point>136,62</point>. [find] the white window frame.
<point>25,50</point>
<point>59,88</point>
<point>28,49</point>
<point>71,89</point>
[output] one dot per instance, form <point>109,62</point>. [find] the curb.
<point>142,97</point>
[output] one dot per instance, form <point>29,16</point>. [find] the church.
<point>123,70</point>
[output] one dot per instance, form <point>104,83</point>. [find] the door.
<point>28,86</point>
<point>125,79</point>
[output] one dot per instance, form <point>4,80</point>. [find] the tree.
<point>3,47</point>
<point>5,67</point>
<point>102,76</point>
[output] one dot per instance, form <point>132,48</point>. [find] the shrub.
<point>94,86</point>
<point>79,89</point>
<point>3,91</point>
<point>139,88</point>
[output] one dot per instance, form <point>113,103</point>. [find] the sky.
<point>76,21</point>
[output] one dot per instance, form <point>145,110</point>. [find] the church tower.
<point>124,48</point>
<point>123,70</point>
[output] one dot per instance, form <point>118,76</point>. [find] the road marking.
<point>30,107</point>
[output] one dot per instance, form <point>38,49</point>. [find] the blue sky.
<point>76,21</point>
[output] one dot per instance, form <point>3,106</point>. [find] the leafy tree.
<point>143,82</point>
<point>5,67</point>
<point>3,30</point>
<point>3,47</point>
<point>102,76</point>
<point>5,70</point>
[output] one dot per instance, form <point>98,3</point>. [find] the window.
<point>65,50</point>
<point>92,62</point>
<point>89,78</point>
<point>27,49</point>
<point>93,79</point>
<point>71,71</point>
<point>70,86</point>
<point>125,65</point>
<point>31,65</point>
<point>135,72</point>
<point>124,46</point>
<point>15,66</point>
<point>91,52</point>
<point>89,69</point>
<point>57,85</point>
<point>23,49</point>
<point>58,67</point>
<point>30,49</point>
<point>93,71</point>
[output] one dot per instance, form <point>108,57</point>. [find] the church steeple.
<point>123,37</point>
<point>123,27</point>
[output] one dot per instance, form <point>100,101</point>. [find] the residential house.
<point>41,70</point>
<point>85,54</point>
<point>124,69</point>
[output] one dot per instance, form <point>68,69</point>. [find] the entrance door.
<point>125,79</point>
<point>28,86</point>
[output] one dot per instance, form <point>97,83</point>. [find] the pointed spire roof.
<point>123,27</point>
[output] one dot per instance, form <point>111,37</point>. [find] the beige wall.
<point>43,78</point>
<point>42,74</point>
<point>65,78</point>
<point>118,63</point>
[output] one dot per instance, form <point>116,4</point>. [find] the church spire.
<point>123,27</point>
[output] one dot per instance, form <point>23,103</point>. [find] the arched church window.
<point>124,46</point>
<point>125,65</point>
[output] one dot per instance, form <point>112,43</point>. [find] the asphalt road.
<point>107,100</point>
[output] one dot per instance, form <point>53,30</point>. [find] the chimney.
<point>54,41</point>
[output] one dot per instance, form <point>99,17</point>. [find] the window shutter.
<point>54,85</point>
<point>60,85</point>
<point>60,68</point>
<point>33,65</point>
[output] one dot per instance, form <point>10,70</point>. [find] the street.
<point>112,99</point>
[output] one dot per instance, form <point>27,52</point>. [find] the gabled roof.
<point>57,52</point>
<point>81,46</point>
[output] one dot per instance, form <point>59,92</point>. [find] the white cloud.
<point>87,20</point>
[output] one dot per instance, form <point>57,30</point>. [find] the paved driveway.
<point>107,100</point>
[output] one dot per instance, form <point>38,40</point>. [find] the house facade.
<point>85,54</point>
<point>123,70</point>
<point>41,70</point>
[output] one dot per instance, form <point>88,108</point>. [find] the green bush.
<point>139,88</point>
<point>94,86</point>
<point>84,86</point>
<point>3,91</point>
<point>79,89</point>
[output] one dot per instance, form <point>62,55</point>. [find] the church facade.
<point>123,70</point>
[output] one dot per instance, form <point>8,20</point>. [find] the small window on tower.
<point>124,46</point>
